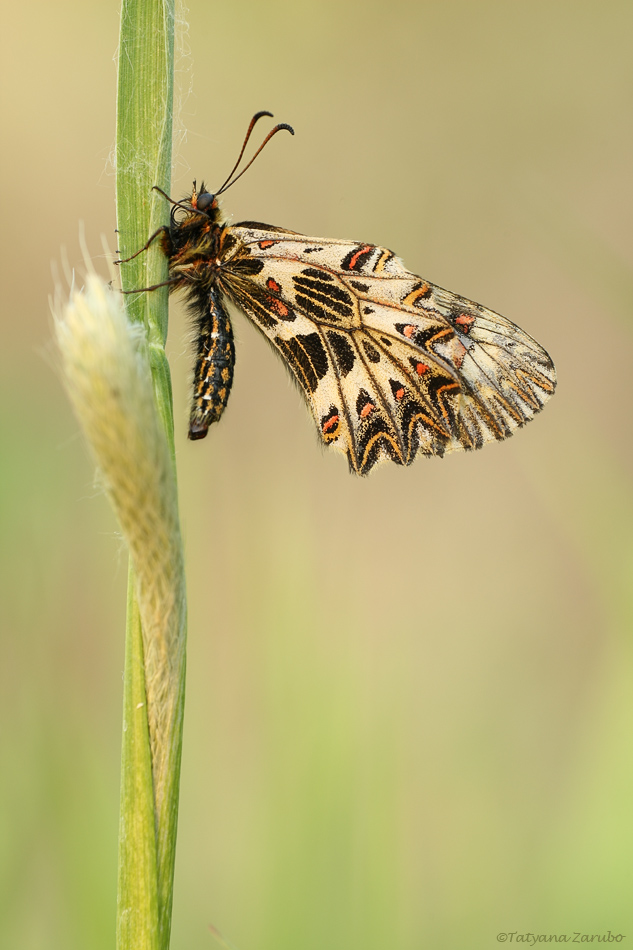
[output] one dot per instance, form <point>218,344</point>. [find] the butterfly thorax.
<point>193,243</point>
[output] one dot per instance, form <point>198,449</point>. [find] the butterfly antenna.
<point>228,183</point>
<point>256,118</point>
<point>177,204</point>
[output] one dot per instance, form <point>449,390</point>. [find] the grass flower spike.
<point>107,375</point>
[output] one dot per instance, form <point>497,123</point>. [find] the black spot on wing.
<point>343,352</point>
<point>246,266</point>
<point>397,388</point>
<point>371,352</point>
<point>227,242</point>
<point>320,297</point>
<point>317,274</point>
<point>364,403</point>
<point>306,354</point>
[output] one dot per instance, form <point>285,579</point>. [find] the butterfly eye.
<point>205,200</point>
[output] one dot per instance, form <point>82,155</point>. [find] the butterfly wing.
<point>391,364</point>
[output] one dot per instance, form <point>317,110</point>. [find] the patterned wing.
<point>391,364</point>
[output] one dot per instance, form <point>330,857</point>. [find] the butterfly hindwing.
<point>391,364</point>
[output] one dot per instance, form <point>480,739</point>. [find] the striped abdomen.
<point>214,366</point>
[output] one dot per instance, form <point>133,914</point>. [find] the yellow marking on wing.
<point>438,336</point>
<point>443,389</point>
<point>410,299</point>
<point>372,442</point>
<point>382,260</point>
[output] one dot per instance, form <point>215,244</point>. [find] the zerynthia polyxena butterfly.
<point>391,365</point>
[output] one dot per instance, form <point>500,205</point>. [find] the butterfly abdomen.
<point>215,361</point>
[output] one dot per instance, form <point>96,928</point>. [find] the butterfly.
<point>391,365</point>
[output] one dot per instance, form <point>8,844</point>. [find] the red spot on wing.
<point>359,253</point>
<point>272,284</point>
<point>264,244</point>
<point>465,321</point>
<point>331,425</point>
<point>278,306</point>
<point>400,393</point>
<point>367,408</point>
<point>409,330</point>
<point>421,369</point>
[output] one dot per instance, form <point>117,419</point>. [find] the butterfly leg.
<point>163,283</point>
<point>163,229</point>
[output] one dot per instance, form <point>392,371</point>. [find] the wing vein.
<point>346,410</point>
<point>386,406</point>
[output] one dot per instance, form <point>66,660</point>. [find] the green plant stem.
<point>138,914</point>
<point>143,158</point>
<point>152,737</point>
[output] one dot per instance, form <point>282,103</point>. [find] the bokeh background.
<point>410,699</point>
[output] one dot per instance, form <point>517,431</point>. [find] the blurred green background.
<point>410,704</point>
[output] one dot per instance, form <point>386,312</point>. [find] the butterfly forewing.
<point>391,364</point>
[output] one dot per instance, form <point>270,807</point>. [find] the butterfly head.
<point>194,225</point>
<point>203,201</point>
